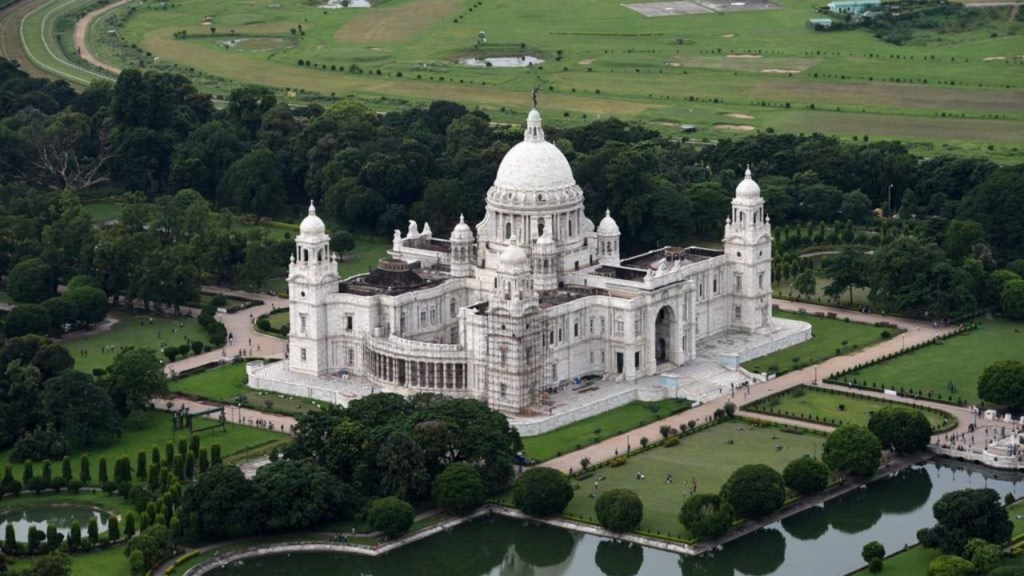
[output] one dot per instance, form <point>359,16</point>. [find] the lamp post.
<point>815,374</point>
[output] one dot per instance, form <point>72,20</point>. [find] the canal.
<point>821,540</point>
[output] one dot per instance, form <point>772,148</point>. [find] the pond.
<point>890,511</point>
<point>502,61</point>
<point>338,4</point>
<point>40,517</point>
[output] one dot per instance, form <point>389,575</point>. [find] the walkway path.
<point>247,341</point>
<point>917,332</point>
<point>235,415</point>
<point>82,29</point>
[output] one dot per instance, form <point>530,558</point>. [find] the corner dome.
<point>534,165</point>
<point>312,225</point>
<point>462,232</point>
<point>608,226</point>
<point>513,259</point>
<point>748,188</point>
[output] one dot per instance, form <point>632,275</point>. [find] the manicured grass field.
<point>227,383</point>
<point>829,336</point>
<point>784,289</point>
<point>363,257</point>
<point>823,405</point>
<point>103,211</point>
<point>108,562</point>
<point>596,428</point>
<point>600,59</point>
<point>278,319</point>
<point>154,428</point>
<point>115,504</point>
<point>131,330</point>
<point>707,456</point>
<point>960,359</point>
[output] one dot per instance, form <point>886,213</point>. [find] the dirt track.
<point>82,28</point>
<point>10,35</point>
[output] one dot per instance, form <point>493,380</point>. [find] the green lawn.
<point>278,319</point>
<point>108,562</point>
<point>131,330</point>
<point>154,428</point>
<point>784,289</point>
<point>707,456</point>
<point>114,504</point>
<point>205,299</point>
<point>824,405</point>
<point>960,360</point>
<point>596,428</point>
<point>226,383</point>
<point>5,298</point>
<point>831,338</point>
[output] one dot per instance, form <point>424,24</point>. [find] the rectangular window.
<point>348,323</point>
<point>591,356</point>
<point>636,327</point>
<point>636,360</point>
<point>302,324</point>
<point>302,354</point>
<point>454,336</point>
<point>551,338</point>
<point>554,371</point>
<point>739,312</point>
<point>602,356</point>
<point>591,325</point>
<point>760,280</point>
<point>576,330</point>
<point>559,334</point>
<point>714,286</point>
<point>351,356</point>
<point>433,316</point>
<point>700,290</point>
<point>423,318</point>
<point>739,283</point>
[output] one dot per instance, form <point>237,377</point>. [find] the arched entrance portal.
<point>665,329</point>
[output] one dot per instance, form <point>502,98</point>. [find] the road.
<point>917,332</point>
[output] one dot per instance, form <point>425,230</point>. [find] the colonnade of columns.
<point>415,373</point>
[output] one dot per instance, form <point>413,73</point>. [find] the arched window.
<point>508,230</point>
<point>320,255</point>
<point>305,255</point>
<point>570,227</point>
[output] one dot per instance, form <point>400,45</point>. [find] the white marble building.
<point>537,301</point>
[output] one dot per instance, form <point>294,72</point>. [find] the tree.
<point>52,359</point>
<point>222,500</point>
<point>856,206</point>
<point>848,270</point>
<point>31,281</point>
<point>298,493</point>
<point>1011,299</point>
<point>459,489</point>
<point>75,536</point>
<point>154,544</point>
<point>965,514</point>
<point>619,510</point>
<point>951,566</point>
<point>754,491</point>
<point>542,492</point>
<point>706,515</point>
<point>129,525</point>
<point>53,564</point>
<point>805,475</point>
<point>94,531</point>
<point>852,449</point>
<point>1002,383</point>
<point>960,238</point>
<point>63,312</point>
<point>27,319</point>
<point>113,528</point>
<point>403,467</point>
<point>984,555</point>
<point>246,107</point>
<point>91,303</point>
<point>85,470</point>
<point>871,550</point>
<point>81,410</point>
<point>390,515</point>
<point>903,429</point>
<point>995,204</point>
<point>253,183</point>
<point>805,283</point>
<point>135,375</point>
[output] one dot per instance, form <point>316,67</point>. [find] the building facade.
<point>536,299</point>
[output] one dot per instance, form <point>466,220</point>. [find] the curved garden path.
<point>82,29</point>
<point>916,332</point>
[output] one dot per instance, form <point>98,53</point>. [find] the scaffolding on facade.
<point>516,356</point>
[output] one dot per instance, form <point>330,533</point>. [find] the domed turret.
<point>312,226</point>
<point>545,263</point>
<point>748,188</point>
<point>608,240</point>
<point>513,259</point>
<point>462,231</point>
<point>461,249</point>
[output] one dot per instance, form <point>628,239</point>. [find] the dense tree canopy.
<point>852,449</point>
<point>298,493</point>
<point>754,491</point>
<point>459,489</point>
<point>706,515</point>
<point>1002,384</point>
<point>542,491</point>
<point>805,475</point>
<point>965,514</point>
<point>901,428</point>
<point>390,515</point>
<point>619,510</point>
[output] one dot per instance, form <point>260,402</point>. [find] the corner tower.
<point>312,274</point>
<point>748,246</point>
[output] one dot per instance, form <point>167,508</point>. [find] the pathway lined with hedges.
<point>917,332</point>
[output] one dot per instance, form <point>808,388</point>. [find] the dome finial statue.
<point>536,89</point>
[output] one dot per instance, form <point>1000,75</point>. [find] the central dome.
<point>534,165</point>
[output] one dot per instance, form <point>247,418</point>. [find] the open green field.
<point>960,360</point>
<point>154,428</point>
<point>596,428</point>
<point>823,405</point>
<point>707,456</point>
<point>784,289</point>
<point>278,319</point>
<point>227,383</point>
<point>108,562</point>
<point>729,74</point>
<point>130,330</point>
<point>101,212</point>
<point>831,338</point>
